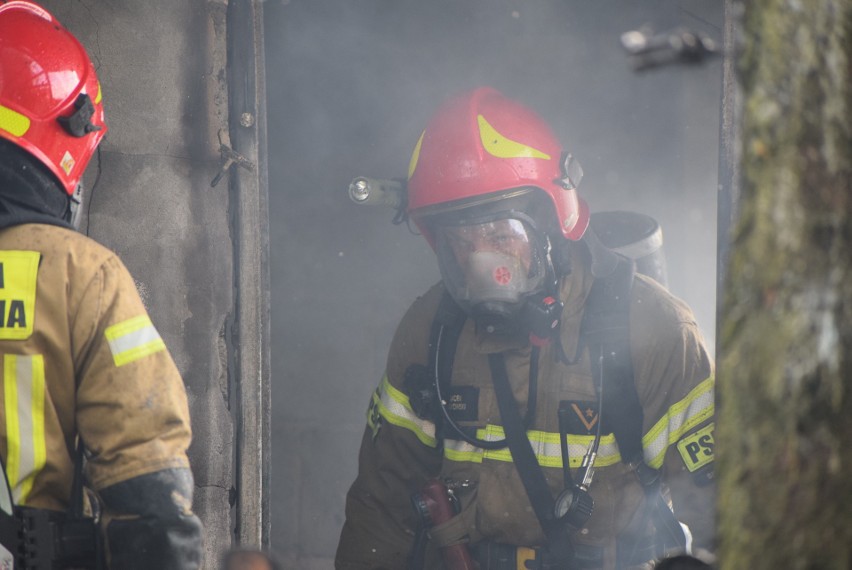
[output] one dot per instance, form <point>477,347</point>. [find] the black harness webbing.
<point>606,331</point>
<point>526,462</point>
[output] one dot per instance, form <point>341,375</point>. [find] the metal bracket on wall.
<point>229,158</point>
<point>648,49</point>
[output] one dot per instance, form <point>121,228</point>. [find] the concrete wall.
<point>350,87</point>
<point>162,68</point>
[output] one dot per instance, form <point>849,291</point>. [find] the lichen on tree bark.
<point>785,362</point>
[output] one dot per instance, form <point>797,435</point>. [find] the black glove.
<point>155,526</point>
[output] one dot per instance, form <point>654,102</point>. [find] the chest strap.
<point>527,465</point>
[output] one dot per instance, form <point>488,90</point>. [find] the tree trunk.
<point>785,366</point>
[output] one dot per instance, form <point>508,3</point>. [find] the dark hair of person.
<point>682,562</point>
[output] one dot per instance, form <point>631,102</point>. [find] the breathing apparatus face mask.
<point>490,267</point>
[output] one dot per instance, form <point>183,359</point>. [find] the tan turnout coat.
<point>399,451</point>
<point>80,356</point>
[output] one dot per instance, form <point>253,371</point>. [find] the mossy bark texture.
<point>784,436</point>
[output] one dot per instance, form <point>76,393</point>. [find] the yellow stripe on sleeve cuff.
<point>133,339</point>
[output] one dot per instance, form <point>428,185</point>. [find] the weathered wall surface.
<point>162,69</point>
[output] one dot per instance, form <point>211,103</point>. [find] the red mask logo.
<point>502,275</point>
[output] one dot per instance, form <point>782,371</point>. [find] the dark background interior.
<point>351,84</point>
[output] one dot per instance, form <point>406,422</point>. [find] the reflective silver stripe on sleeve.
<point>395,408</point>
<point>133,339</point>
<point>681,417</point>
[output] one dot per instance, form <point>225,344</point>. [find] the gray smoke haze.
<point>351,84</point>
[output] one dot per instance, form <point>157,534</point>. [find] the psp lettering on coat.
<point>696,450</point>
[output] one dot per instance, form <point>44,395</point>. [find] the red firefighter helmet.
<point>482,147</point>
<point>50,98</point>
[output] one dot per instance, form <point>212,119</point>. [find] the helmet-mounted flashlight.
<point>381,192</point>
<point>377,192</point>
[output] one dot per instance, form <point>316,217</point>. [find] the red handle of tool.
<point>436,499</point>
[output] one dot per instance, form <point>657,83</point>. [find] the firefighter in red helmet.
<point>84,371</point>
<point>557,403</point>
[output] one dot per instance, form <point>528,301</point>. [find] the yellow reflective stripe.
<point>24,392</point>
<point>13,122</point>
<point>99,95</point>
<point>13,433</point>
<point>133,339</point>
<point>545,445</point>
<point>374,402</point>
<point>415,156</point>
<point>695,408</point>
<point>497,145</point>
<point>394,407</point>
<point>467,453</point>
<point>681,417</point>
<point>38,435</point>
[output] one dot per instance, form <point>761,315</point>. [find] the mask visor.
<point>495,263</point>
